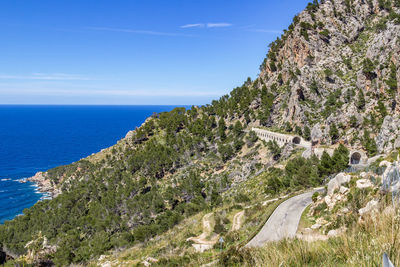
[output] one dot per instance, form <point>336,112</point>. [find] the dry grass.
<point>362,245</point>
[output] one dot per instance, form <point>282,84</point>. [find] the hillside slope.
<point>332,77</point>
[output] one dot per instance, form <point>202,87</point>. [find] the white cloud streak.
<point>218,25</point>
<point>206,25</point>
<point>46,76</point>
<point>144,32</point>
<point>195,25</point>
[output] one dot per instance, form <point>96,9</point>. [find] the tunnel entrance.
<point>355,158</point>
<point>296,140</point>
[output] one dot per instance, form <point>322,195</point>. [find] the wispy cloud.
<point>206,25</point>
<point>218,25</point>
<point>195,25</point>
<point>46,76</point>
<point>145,32</point>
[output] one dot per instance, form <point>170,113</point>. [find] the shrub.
<point>315,197</point>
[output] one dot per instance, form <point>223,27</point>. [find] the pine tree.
<point>361,100</point>
<point>307,133</point>
<point>334,132</point>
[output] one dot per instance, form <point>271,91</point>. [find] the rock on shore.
<point>44,184</point>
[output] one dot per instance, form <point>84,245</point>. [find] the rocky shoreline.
<point>44,184</point>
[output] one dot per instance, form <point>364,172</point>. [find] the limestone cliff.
<point>338,63</point>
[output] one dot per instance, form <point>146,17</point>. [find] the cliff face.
<point>332,53</point>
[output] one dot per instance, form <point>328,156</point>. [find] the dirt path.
<point>237,220</point>
<point>207,237</point>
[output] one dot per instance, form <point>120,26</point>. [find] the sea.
<point>37,138</point>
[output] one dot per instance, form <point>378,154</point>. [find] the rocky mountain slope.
<point>332,77</point>
<point>337,66</point>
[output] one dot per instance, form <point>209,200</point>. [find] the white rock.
<point>343,190</point>
<point>321,221</point>
<point>202,247</point>
<point>371,206</point>
<point>316,226</point>
<point>339,197</point>
<point>336,182</point>
<point>329,202</point>
<point>345,210</point>
<point>385,163</point>
<point>397,142</point>
<point>364,183</point>
<point>333,233</point>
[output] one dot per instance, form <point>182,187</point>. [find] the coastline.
<point>43,184</point>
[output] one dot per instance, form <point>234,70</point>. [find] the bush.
<point>241,198</point>
<point>315,196</point>
<point>334,133</point>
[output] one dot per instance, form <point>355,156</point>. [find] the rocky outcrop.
<point>389,135</point>
<point>336,182</point>
<point>319,73</point>
<point>364,183</point>
<point>371,206</point>
<point>44,184</point>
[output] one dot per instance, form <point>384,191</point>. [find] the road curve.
<point>283,222</point>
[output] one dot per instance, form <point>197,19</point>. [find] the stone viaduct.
<point>357,157</point>
<point>281,139</point>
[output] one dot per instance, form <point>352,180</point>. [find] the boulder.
<point>316,226</point>
<point>336,182</point>
<point>371,206</point>
<point>333,233</point>
<point>321,221</point>
<point>364,183</point>
<point>343,190</point>
<point>388,134</point>
<point>345,210</point>
<point>336,232</point>
<point>316,133</point>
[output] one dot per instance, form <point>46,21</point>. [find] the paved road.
<point>284,221</point>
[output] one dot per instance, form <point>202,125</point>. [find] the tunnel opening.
<point>296,140</point>
<point>355,158</point>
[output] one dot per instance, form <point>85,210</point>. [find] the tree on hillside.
<point>325,166</point>
<point>307,133</point>
<point>334,133</point>
<point>238,128</point>
<point>221,128</point>
<point>274,149</point>
<point>340,158</point>
<point>361,100</point>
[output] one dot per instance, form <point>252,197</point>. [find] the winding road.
<point>284,221</point>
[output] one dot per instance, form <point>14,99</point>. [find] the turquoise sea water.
<point>37,138</point>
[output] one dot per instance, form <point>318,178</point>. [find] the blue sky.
<point>171,52</point>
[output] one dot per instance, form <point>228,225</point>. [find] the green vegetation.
<point>369,69</point>
<point>302,173</point>
<point>124,197</point>
<point>148,193</point>
<point>392,81</point>
<point>369,144</point>
<point>361,100</point>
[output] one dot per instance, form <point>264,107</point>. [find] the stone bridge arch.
<point>358,157</point>
<point>296,140</point>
